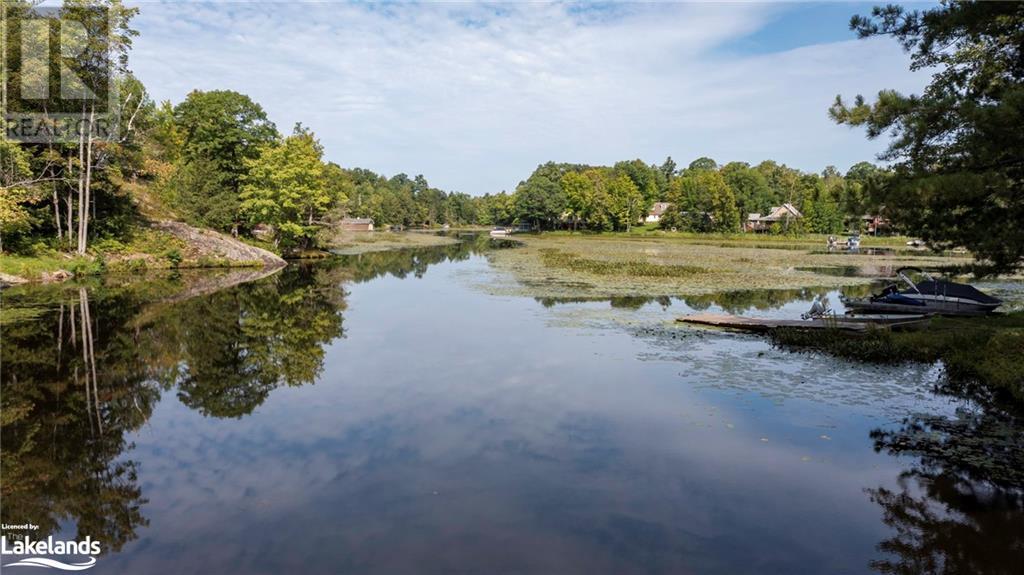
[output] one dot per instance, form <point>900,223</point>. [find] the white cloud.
<point>475,96</point>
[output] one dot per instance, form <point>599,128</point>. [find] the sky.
<point>475,96</point>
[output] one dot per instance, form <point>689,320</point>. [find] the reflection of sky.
<point>454,431</point>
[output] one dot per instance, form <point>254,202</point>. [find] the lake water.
<point>385,414</point>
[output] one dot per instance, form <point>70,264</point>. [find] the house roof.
<point>659,208</point>
<point>792,209</point>
<point>357,221</point>
<point>785,211</point>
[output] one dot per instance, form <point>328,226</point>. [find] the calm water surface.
<point>384,414</point>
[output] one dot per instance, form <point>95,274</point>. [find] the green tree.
<point>17,190</point>
<point>668,168</point>
<point>703,163</point>
<point>957,149</point>
<point>495,210</point>
<point>749,186</point>
<point>644,177</point>
<point>725,217</point>
<point>201,194</point>
<point>783,182</point>
<point>626,204</point>
<point>539,200</point>
<point>285,188</point>
<point>703,202</point>
<point>821,210</point>
<point>227,129</point>
<point>579,196</point>
<point>861,176</point>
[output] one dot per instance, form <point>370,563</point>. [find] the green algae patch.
<point>557,259</point>
<point>580,265</point>
<point>355,243</point>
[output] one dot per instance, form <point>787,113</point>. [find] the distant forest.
<point>704,196</point>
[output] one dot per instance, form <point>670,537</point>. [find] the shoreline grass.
<point>644,232</point>
<point>564,264</point>
<point>556,259</point>
<point>985,350</point>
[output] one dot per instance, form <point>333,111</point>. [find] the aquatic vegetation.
<point>557,259</point>
<point>984,350</point>
<point>564,265</point>
<point>351,243</point>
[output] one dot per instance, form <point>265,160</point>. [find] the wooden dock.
<point>760,324</point>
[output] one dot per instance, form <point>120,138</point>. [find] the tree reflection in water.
<point>960,508</point>
<point>84,366</point>
<point>67,402</point>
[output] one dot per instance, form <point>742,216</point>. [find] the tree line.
<point>703,196</point>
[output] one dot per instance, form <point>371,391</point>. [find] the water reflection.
<point>414,262</point>
<point>89,364</point>
<point>959,508</point>
<point>736,302</point>
<point>635,302</point>
<point>946,524</point>
<point>85,364</point>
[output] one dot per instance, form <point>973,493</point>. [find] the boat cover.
<point>952,289</point>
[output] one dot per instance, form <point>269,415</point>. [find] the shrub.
<point>174,256</point>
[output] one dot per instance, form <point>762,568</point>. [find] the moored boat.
<point>930,296</point>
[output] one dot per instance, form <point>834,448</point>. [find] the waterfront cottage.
<point>874,224</point>
<point>779,214</point>
<point>657,210</point>
<point>357,224</point>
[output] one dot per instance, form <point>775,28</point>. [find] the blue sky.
<point>796,24</point>
<point>475,96</point>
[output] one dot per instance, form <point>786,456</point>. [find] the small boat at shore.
<point>930,296</point>
<point>500,232</point>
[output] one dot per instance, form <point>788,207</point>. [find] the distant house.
<point>657,210</point>
<point>874,224</point>
<point>779,214</point>
<point>357,224</point>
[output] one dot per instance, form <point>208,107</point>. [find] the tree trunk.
<point>88,181</point>
<point>81,192</point>
<point>70,201</point>
<point>56,213</point>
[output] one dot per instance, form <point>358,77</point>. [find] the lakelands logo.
<point>49,546</point>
